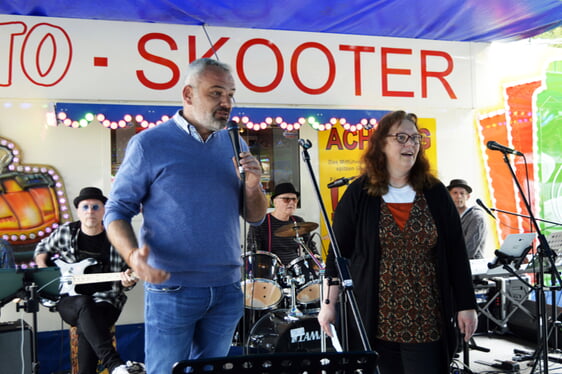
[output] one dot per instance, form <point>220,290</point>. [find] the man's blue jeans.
<point>184,323</point>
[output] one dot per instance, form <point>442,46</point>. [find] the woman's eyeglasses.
<point>403,138</point>
<point>94,207</point>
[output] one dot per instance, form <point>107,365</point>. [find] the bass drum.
<point>278,331</point>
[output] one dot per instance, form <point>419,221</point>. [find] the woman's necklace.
<point>401,186</point>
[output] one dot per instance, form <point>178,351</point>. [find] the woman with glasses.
<point>401,234</point>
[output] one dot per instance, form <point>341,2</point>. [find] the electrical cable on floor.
<point>22,346</point>
<point>61,344</point>
<point>507,366</point>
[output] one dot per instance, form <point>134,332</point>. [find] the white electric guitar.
<point>73,275</point>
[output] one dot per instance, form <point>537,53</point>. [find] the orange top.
<point>400,212</point>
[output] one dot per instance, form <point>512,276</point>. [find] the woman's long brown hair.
<point>374,162</point>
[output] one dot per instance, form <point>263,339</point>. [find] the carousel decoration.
<point>33,201</point>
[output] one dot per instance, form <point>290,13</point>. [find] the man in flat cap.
<point>473,219</point>
<point>92,308</point>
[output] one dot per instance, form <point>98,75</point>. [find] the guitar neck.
<point>95,278</point>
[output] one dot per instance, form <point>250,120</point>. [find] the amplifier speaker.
<point>11,348</point>
<point>525,326</point>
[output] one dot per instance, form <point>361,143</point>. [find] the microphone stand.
<point>245,321</point>
<point>343,271</point>
<point>524,216</point>
<point>30,304</point>
<point>543,251</point>
<point>235,140</point>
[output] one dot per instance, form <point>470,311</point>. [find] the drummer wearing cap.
<point>473,219</point>
<point>263,238</point>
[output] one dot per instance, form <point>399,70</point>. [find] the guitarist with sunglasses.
<point>92,308</point>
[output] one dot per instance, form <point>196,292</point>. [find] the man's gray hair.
<point>198,66</point>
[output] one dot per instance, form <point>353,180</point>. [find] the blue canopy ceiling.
<point>453,20</point>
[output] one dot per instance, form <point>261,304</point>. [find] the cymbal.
<point>296,228</point>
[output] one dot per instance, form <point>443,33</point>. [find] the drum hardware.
<point>294,311</point>
<point>302,245</point>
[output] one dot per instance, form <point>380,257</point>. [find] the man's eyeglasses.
<point>403,138</point>
<point>94,207</point>
<point>287,200</point>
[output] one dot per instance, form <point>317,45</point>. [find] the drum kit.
<point>275,295</point>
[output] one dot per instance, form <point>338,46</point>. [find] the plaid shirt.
<point>63,242</point>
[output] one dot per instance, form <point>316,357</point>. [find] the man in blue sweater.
<point>183,176</point>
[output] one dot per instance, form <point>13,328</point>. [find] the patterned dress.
<point>408,297</point>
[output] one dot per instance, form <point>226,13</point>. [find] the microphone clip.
<point>305,144</point>
<point>340,182</point>
<point>500,260</point>
<point>503,259</point>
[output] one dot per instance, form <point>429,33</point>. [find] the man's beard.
<point>208,121</point>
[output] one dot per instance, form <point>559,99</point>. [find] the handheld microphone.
<point>340,182</point>
<point>495,146</point>
<point>479,202</point>
<point>233,132</point>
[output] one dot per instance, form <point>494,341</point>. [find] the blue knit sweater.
<point>189,194</point>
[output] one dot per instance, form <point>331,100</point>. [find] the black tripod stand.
<point>30,304</point>
<point>544,252</point>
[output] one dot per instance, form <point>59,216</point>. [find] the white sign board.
<point>69,59</point>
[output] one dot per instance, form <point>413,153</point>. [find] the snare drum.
<point>278,331</point>
<point>305,272</point>
<point>261,287</point>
